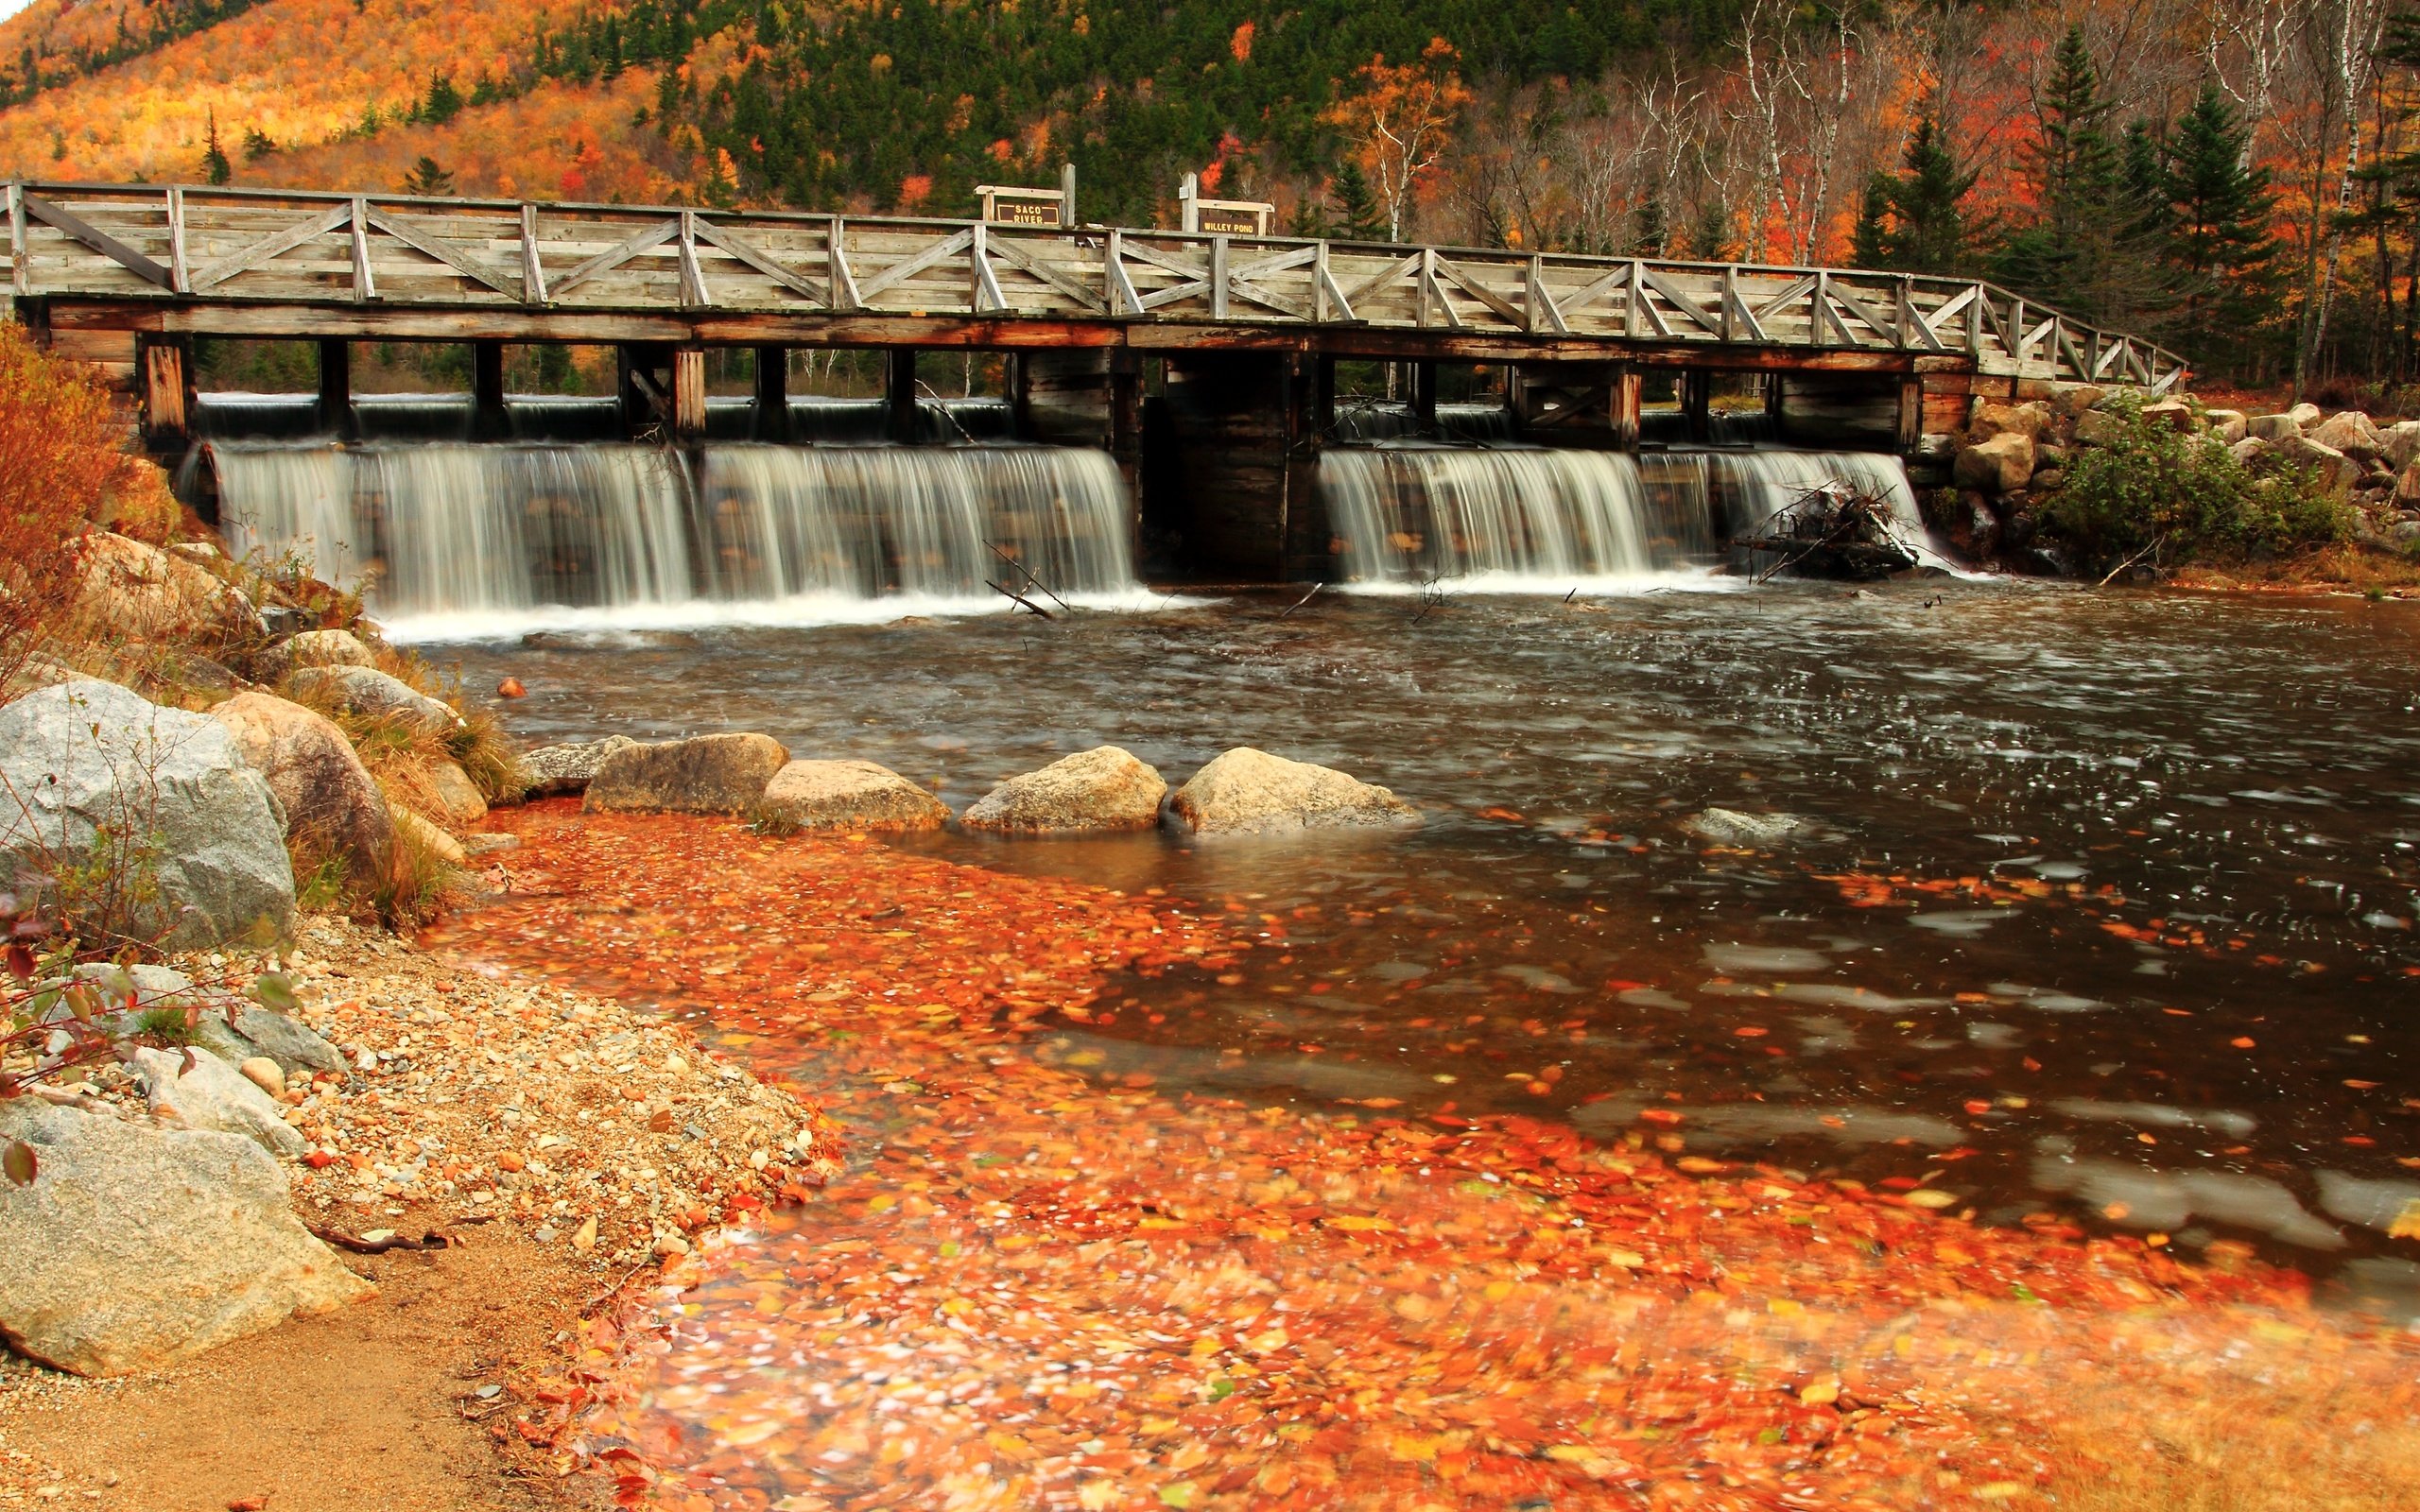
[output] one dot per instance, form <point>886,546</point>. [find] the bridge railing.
<point>239,246</point>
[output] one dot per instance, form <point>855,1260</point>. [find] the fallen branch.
<point>1030,577</point>
<point>588,1309</point>
<point>1305,600</point>
<point>2131,560</point>
<point>379,1246</point>
<point>1018,598</point>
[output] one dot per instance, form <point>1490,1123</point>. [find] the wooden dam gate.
<point>1246,330</point>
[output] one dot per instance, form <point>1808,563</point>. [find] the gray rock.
<point>313,649</point>
<point>2273,427</point>
<point>2174,414</point>
<point>849,795</point>
<point>1737,827</point>
<point>2228,425</point>
<point>331,802</point>
<point>412,826</point>
<point>2027,419</point>
<point>88,754</point>
<point>294,1045</point>
<point>1104,788</point>
<point>199,1090</point>
<point>707,774</point>
<point>2099,427</point>
<point>134,1247</point>
<point>2071,400</point>
<point>557,770</point>
<point>2251,449</point>
<point>1245,791</point>
<point>464,803</point>
<point>2402,443</point>
<point>2350,432</point>
<point>2336,471</point>
<point>2305,415</point>
<point>146,595</point>
<point>370,692</point>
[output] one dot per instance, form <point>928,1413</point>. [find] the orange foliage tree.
<point>63,466</point>
<point>1401,120</point>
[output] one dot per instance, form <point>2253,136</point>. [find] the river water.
<point>2108,896</point>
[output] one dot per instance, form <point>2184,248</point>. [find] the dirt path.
<point>375,1407</point>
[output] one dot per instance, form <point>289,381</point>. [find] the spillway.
<point>463,537</point>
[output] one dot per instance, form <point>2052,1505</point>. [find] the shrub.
<point>2184,493</point>
<point>63,466</point>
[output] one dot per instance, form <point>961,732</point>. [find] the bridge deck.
<point>241,262</point>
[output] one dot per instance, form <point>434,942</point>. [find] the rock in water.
<point>134,1247</point>
<point>88,754</point>
<point>313,649</point>
<point>330,799</point>
<point>849,795</point>
<point>1249,792</point>
<point>557,770</point>
<point>368,691</point>
<point>196,1089</point>
<point>1103,788</point>
<point>706,774</point>
<point>1735,827</point>
<point>429,838</point>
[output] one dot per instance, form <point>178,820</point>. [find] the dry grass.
<point>2288,1437</point>
<point>2348,569</point>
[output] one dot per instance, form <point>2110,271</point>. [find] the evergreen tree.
<point>2089,250</point>
<point>1651,226</point>
<point>257,144</point>
<point>2216,228</point>
<point>427,177</point>
<point>215,166</point>
<point>1917,222</point>
<point>1352,206</point>
<point>443,101</point>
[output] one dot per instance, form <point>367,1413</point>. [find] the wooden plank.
<point>444,251</point>
<point>1682,301</point>
<point>533,266</point>
<point>92,236</point>
<point>1123,300</point>
<point>729,241</point>
<point>694,292</point>
<point>20,273</point>
<point>614,257</point>
<point>932,256</point>
<point>1025,261</point>
<point>845,293</point>
<point>1378,281</point>
<point>984,293</point>
<point>1331,294</point>
<point>1469,283</point>
<point>1846,297</point>
<point>180,269</point>
<point>262,252</point>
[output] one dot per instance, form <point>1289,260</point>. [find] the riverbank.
<point>1047,1281</point>
<point>556,1145</point>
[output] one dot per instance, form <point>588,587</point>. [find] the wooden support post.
<point>489,420</point>
<point>1424,395</point>
<point>1126,417</point>
<point>689,394</point>
<point>1697,397</point>
<point>900,395</point>
<point>165,373</point>
<point>772,394</point>
<point>1623,396</point>
<point>1911,415</point>
<point>336,388</point>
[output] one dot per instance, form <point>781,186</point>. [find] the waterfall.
<point>1363,420</point>
<point>463,540</point>
<point>1522,517</point>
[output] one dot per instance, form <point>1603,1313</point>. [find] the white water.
<point>462,539</point>
<point>1522,518</point>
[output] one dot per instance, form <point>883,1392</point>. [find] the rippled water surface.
<point>2109,897</point>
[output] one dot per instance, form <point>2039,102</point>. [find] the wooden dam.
<point>1237,337</point>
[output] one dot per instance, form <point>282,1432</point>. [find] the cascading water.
<point>1376,420</point>
<point>460,539</point>
<point>1530,517</point>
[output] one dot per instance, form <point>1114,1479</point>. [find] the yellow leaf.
<point>1414,1448</point>
<point>1355,1224</point>
<point>1626,1259</point>
<point>1177,1494</point>
<point>1819,1393</point>
<point>2407,1222</point>
<point>1928,1197</point>
<point>1999,1491</point>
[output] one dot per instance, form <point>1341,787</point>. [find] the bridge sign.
<point>1022,207</point>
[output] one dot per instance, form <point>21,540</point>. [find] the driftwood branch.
<point>1017,597</point>
<point>2156,542</point>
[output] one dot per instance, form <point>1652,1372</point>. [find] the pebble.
<point>266,1075</point>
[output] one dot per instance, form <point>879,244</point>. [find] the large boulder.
<point>558,770</point>
<point>2407,485</point>
<point>2170,414</point>
<point>1245,791</point>
<point>2273,427</point>
<point>2305,415</point>
<point>146,595</point>
<point>435,841</point>
<point>86,757</point>
<point>134,1247</point>
<point>2350,432</point>
<point>332,803</point>
<point>2402,443</point>
<point>1104,788</point>
<point>2029,419</point>
<point>848,796</point>
<point>463,802</point>
<point>1999,465</point>
<point>197,1090</point>
<point>312,649</point>
<point>705,774</point>
<point>2336,472</point>
<point>2228,425</point>
<point>374,693</point>
<point>2070,400</point>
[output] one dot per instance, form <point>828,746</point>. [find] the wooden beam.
<point>179,271</point>
<point>604,261</point>
<point>262,252</point>
<point>166,384</point>
<point>533,267</point>
<point>21,282</point>
<point>365,282</point>
<point>689,394</point>
<point>694,293</point>
<point>92,236</point>
<point>899,272</point>
<point>1123,300</point>
<point>457,258</point>
<point>845,294</point>
<point>1025,261</point>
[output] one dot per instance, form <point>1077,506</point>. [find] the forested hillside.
<point>2235,176</point>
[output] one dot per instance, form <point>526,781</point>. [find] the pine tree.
<point>442,102</point>
<point>1917,222</point>
<point>215,166</point>
<point>427,177</point>
<point>2089,251</point>
<point>1651,226</point>
<point>2216,228</point>
<point>257,144</point>
<point>1352,206</point>
<point>1870,243</point>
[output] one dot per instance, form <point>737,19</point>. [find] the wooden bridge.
<point>1245,330</point>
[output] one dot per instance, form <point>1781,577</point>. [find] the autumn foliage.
<point>63,466</point>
